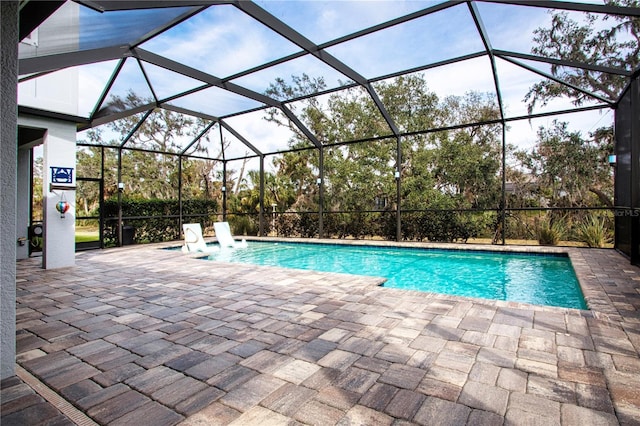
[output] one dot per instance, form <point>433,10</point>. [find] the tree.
<point>89,165</point>
<point>37,201</point>
<point>569,170</point>
<point>150,170</point>
<point>467,160</point>
<point>617,46</point>
<point>457,168</point>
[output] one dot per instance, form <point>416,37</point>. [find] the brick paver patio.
<point>144,336</point>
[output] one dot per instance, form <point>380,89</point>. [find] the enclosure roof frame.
<point>33,67</point>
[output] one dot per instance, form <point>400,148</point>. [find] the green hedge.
<point>441,226</point>
<point>155,220</point>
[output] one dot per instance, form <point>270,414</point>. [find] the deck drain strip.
<point>75,415</point>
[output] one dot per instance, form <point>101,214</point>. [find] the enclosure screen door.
<point>89,195</point>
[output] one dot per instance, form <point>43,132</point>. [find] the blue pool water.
<point>530,278</point>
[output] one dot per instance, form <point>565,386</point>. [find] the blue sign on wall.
<point>61,174</point>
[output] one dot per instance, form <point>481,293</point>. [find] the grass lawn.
<point>87,234</point>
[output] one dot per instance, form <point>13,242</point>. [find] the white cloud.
<point>265,136</point>
<point>92,80</point>
<point>221,41</point>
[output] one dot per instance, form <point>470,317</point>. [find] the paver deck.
<point>144,336</point>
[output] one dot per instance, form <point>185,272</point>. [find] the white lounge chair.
<point>193,240</point>
<point>225,239</point>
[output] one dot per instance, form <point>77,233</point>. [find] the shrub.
<point>287,224</point>
<point>154,220</point>
<point>550,232</point>
<point>593,232</point>
<point>243,225</point>
<point>439,225</point>
<point>307,225</point>
<point>297,224</point>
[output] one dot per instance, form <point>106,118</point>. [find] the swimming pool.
<point>519,277</point>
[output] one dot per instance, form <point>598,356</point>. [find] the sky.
<point>224,41</point>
